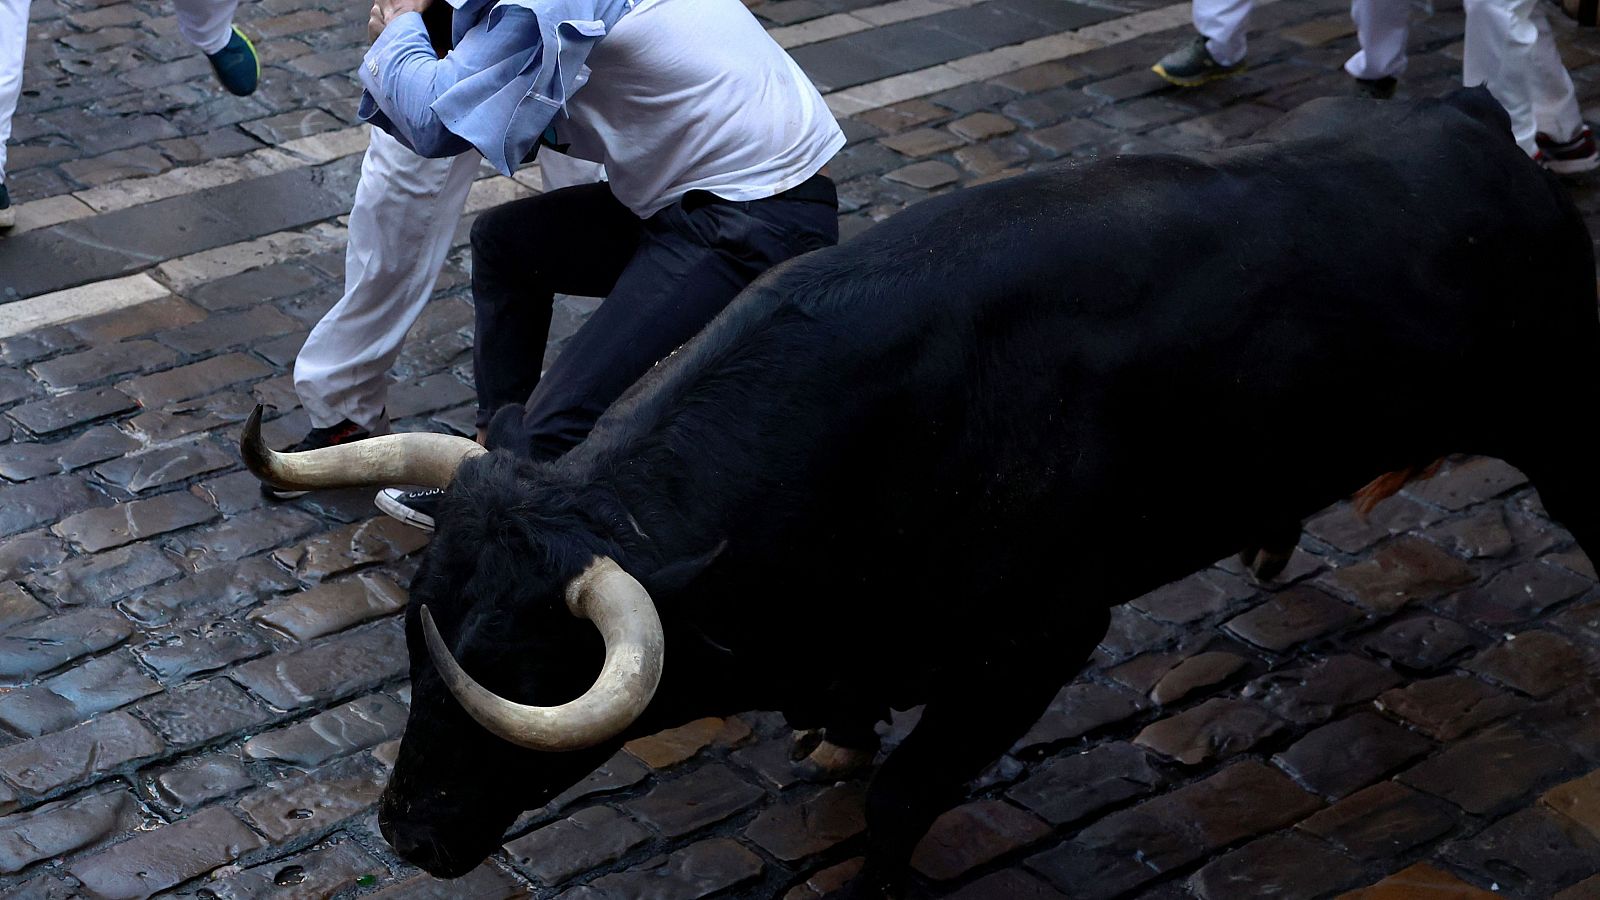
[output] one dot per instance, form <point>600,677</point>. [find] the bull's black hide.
<point>921,466</point>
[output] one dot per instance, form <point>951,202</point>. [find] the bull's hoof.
<point>830,762</point>
<point>804,741</point>
<point>1265,564</point>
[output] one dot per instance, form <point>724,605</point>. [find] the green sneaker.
<point>237,65</point>
<point>1192,65</point>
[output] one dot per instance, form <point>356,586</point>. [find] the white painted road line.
<point>21,316</point>
<point>185,273</point>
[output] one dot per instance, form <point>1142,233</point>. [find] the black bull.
<point>920,467</point>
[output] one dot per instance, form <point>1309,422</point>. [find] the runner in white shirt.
<point>713,140</point>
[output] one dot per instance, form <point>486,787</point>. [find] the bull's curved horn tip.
<point>443,659</point>
<point>251,448</point>
<point>429,630</point>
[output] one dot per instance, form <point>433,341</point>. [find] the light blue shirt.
<point>513,66</point>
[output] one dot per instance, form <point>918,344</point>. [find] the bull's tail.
<point>1388,484</point>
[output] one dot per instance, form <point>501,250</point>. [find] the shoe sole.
<point>253,54</point>
<point>1197,80</point>
<point>1572,167</point>
<point>404,513</point>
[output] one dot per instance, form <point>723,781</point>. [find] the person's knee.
<point>487,233</point>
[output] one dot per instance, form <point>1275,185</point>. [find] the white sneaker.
<point>413,507</point>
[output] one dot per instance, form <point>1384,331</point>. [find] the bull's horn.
<point>621,608</point>
<point>419,458</point>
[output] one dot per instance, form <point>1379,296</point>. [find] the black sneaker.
<point>8,216</point>
<point>1377,88</point>
<point>414,507</point>
<point>343,433</point>
<point>1568,157</point>
<point>1192,65</point>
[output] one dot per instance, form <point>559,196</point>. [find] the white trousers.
<point>405,214</point>
<point>13,44</point>
<point>406,210</point>
<point>1510,49</point>
<point>207,24</point>
<point>1381,27</point>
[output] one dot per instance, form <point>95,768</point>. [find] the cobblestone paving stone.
<point>200,692</point>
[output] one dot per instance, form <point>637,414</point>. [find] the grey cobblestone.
<point>57,829</point>
<point>342,730</point>
<point>698,870</point>
<point>244,535</point>
<point>322,871</point>
<point>331,607</point>
<point>591,837</point>
<point>181,654</point>
<point>102,529</point>
<point>327,671</point>
<point>103,362</point>
<point>104,577</point>
<point>202,711</point>
<point>79,755</point>
<point>196,780</point>
<point>47,416</point>
<point>312,802</point>
<point>245,669</point>
<point>45,644</point>
<point>159,859</point>
<point>374,540</point>
<point>101,684</point>
<point>18,606</point>
<point>217,591</point>
<point>1072,788</point>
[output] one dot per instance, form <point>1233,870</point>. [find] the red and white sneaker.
<point>1568,157</point>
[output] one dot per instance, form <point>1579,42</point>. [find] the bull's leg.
<point>1552,447</point>
<point>849,742</point>
<point>1569,485</point>
<point>961,731</point>
<point>846,745</point>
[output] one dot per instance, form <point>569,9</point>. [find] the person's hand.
<point>386,11</point>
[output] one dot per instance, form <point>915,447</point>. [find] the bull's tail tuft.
<point>1388,484</point>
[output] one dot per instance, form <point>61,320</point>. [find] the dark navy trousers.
<point>663,278</point>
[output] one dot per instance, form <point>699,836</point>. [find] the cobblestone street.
<point>201,691</point>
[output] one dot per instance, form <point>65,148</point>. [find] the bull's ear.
<point>675,576</point>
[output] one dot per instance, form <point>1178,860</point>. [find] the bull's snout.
<point>424,847</point>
